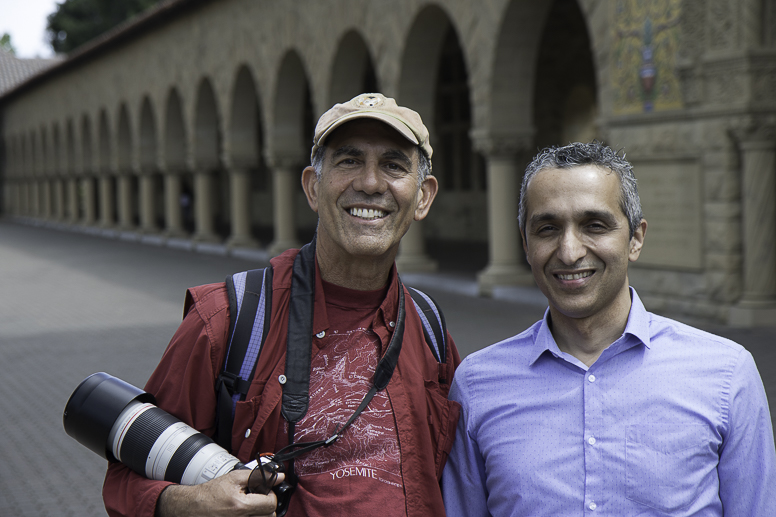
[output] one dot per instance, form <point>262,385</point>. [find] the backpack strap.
<point>434,326</point>
<point>250,308</point>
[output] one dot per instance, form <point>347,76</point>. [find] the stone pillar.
<point>147,203</point>
<point>125,201</point>
<point>203,207</point>
<point>45,201</point>
<point>59,199</point>
<point>72,200</point>
<point>172,205</point>
<point>505,266</point>
<point>283,181</point>
<point>240,187</point>
<point>106,201</point>
<point>412,257</point>
<point>757,305</point>
<point>90,208</point>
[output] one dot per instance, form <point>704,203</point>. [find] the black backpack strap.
<point>250,308</point>
<point>434,327</point>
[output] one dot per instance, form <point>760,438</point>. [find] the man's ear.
<point>426,194</point>
<point>525,247</point>
<point>310,187</point>
<point>637,241</point>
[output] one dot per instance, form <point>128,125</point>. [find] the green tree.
<point>6,45</point>
<point>77,21</point>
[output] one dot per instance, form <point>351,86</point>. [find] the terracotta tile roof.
<point>14,71</point>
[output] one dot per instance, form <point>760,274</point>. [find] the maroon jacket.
<point>184,385</point>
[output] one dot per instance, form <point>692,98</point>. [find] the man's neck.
<point>360,273</point>
<point>587,338</point>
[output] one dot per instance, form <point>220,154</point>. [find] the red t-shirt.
<point>360,474</point>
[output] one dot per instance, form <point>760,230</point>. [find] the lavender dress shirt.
<point>670,420</point>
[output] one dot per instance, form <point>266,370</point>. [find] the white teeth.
<point>575,276</point>
<point>365,213</point>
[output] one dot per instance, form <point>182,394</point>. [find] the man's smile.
<point>367,213</point>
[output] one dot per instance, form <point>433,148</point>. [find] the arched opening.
<point>565,90</point>
<point>179,185</point>
<point>149,168</point>
<point>458,220</point>
<point>127,180</point>
<point>213,181</point>
<point>352,72</point>
<point>88,195</point>
<point>73,208</point>
<point>247,154</point>
<point>292,131</point>
<point>107,198</point>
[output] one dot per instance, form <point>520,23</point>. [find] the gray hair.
<point>424,163</point>
<point>594,153</point>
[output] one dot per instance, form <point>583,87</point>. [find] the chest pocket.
<point>666,464</point>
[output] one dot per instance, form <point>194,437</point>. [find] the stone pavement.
<point>73,304</point>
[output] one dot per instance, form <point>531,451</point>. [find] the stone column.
<point>59,199</point>
<point>240,187</point>
<point>45,201</point>
<point>505,266</point>
<point>172,205</point>
<point>758,203</point>
<point>125,201</point>
<point>90,208</point>
<point>203,206</point>
<point>106,201</point>
<point>146,201</point>
<point>72,200</point>
<point>284,180</point>
<point>412,257</point>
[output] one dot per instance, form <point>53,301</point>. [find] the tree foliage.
<point>76,22</point>
<point>6,45</point>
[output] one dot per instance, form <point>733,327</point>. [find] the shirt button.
<point>247,433</point>
<point>592,506</point>
<point>591,378</point>
<point>391,324</point>
<point>282,379</point>
<point>320,334</point>
<point>591,440</point>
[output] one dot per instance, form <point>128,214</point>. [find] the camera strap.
<point>296,396</point>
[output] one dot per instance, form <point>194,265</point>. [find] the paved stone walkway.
<point>72,304</point>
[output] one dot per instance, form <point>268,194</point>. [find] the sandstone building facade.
<point>195,120</point>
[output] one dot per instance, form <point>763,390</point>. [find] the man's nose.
<point>371,179</point>
<point>571,248</point>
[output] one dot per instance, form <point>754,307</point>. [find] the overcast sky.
<point>25,21</point>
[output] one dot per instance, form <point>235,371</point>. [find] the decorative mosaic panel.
<point>645,46</point>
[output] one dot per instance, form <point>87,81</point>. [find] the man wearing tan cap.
<point>372,428</point>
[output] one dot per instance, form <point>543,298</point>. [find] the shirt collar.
<point>637,326</point>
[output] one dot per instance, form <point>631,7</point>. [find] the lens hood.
<point>93,408</point>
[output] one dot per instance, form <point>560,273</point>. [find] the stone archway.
<point>89,195</point>
<point>291,140</point>
<point>126,180</point>
<point>565,106</point>
<point>247,169</point>
<point>178,189</point>
<point>107,197</point>
<point>432,45</point>
<point>352,71</point>
<point>207,166</point>
<point>151,185</point>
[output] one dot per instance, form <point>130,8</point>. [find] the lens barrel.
<point>121,423</point>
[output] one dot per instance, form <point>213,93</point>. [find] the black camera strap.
<point>296,396</point>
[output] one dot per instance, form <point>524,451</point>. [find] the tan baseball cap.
<point>376,106</point>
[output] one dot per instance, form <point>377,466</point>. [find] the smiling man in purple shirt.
<point>603,408</point>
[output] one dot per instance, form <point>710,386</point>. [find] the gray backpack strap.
<point>250,308</point>
<point>434,327</point>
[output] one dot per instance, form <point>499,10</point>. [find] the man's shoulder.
<point>207,299</point>
<point>509,350</point>
<point>673,330</point>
